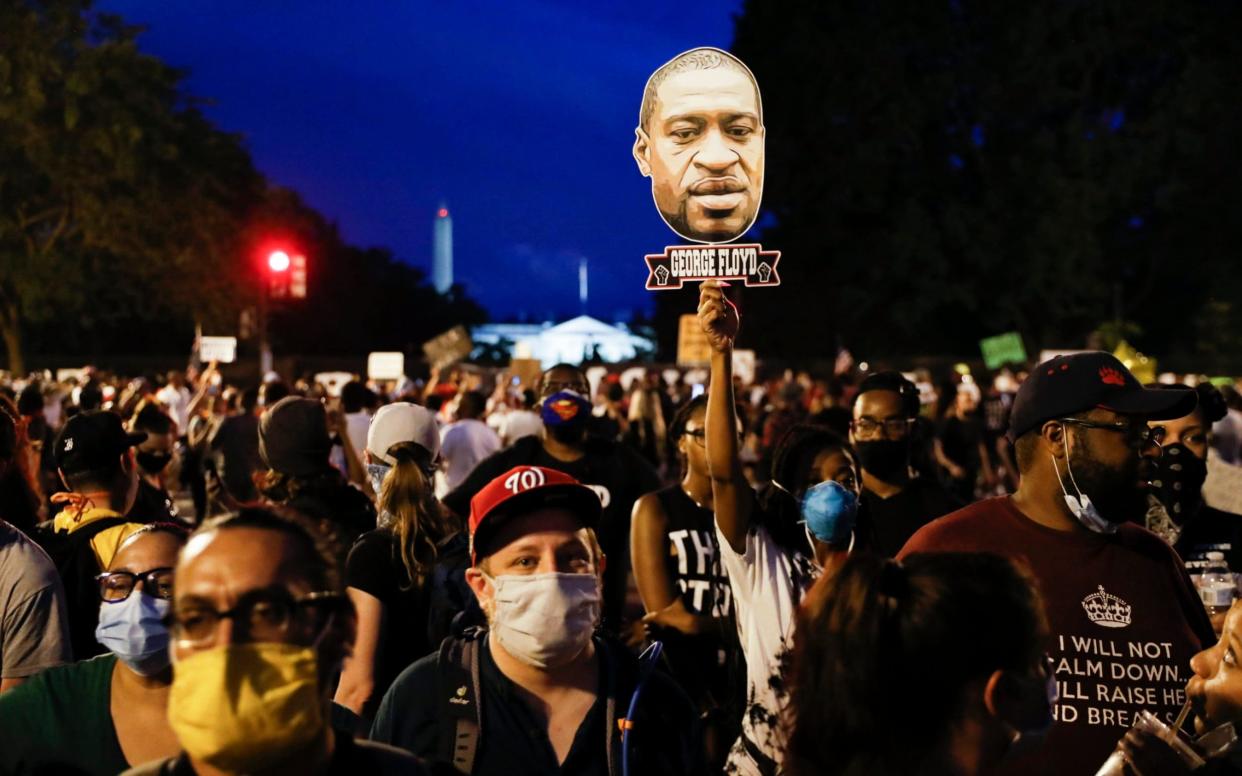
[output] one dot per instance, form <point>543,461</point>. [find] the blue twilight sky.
<point>518,115</point>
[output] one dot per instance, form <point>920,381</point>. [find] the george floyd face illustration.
<point>700,140</point>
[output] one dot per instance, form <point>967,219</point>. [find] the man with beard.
<point>1125,618</point>
<point>894,503</point>
<point>616,473</point>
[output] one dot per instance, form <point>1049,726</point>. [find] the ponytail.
<point>418,519</point>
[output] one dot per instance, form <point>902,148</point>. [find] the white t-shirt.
<point>768,585</point>
<point>462,445</point>
<point>520,423</point>
<point>177,400</point>
<point>356,425</point>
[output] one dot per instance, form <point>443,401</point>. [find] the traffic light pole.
<point>265,345</point>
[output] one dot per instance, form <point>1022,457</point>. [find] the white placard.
<point>65,375</point>
<point>221,349</point>
<point>744,366</point>
<point>333,381</point>
<point>385,365</point>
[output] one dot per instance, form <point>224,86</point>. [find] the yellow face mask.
<point>245,707</point>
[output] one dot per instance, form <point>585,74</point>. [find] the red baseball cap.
<point>524,489</point>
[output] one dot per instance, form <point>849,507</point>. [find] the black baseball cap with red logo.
<point>1082,381</point>
<point>524,489</point>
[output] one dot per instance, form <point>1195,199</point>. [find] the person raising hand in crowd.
<point>772,550</point>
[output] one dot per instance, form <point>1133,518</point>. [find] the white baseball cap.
<point>402,422</point>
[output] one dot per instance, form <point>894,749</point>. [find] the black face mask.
<point>1179,482</point>
<point>885,459</point>
<point>153,463</point>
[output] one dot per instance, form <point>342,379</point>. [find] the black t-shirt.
<point>152,505</point>
<point>375,567</point>
<point>513,741</point>
<point>615,472</point>
<point>333,500</point>
<point>235,453</point>
<point>886,524</point>
<point>707,665</point>
<point>960,441</point>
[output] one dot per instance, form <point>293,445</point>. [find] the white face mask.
<point>1080,506</point>
<point>545,620</point>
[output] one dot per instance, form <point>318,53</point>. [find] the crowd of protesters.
<point>619,572</point>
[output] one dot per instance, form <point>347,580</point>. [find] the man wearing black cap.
<point>539,692</point>
<point>95,459</point>
<point>1124,618</point>
<point>294,443</point>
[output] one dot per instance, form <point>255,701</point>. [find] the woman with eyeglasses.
<point>390,572</point>
<point>677,569</point>
<point>102,715</point>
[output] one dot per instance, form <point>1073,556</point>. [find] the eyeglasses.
<point>115,586</point>
<point>869,428</point>
<point>266,615</point>
<point>1137,435</point>
<point>556,386</point>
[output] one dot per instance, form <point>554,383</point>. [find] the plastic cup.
<point>1149,723</point>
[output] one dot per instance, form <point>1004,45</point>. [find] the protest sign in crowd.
<point>621,571</point>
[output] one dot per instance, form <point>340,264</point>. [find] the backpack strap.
<point>461,716</point>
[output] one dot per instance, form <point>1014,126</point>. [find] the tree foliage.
<point>942,172</point>
<point>127,217</point>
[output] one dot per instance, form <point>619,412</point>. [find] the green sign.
<point>1003,349</point>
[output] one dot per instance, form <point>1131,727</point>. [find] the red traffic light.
<point>278,261</point>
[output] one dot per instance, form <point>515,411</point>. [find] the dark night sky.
<point>520,116</point>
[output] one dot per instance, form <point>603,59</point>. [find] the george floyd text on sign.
<point>679,264</point>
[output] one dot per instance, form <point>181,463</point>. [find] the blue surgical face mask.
<point>829,510</point>
<point>135,632</point>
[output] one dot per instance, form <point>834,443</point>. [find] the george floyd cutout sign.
<point>700,139</point>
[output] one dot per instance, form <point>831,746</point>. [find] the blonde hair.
<point>419,521</point>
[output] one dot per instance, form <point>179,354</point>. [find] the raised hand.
<point>717,315</point>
